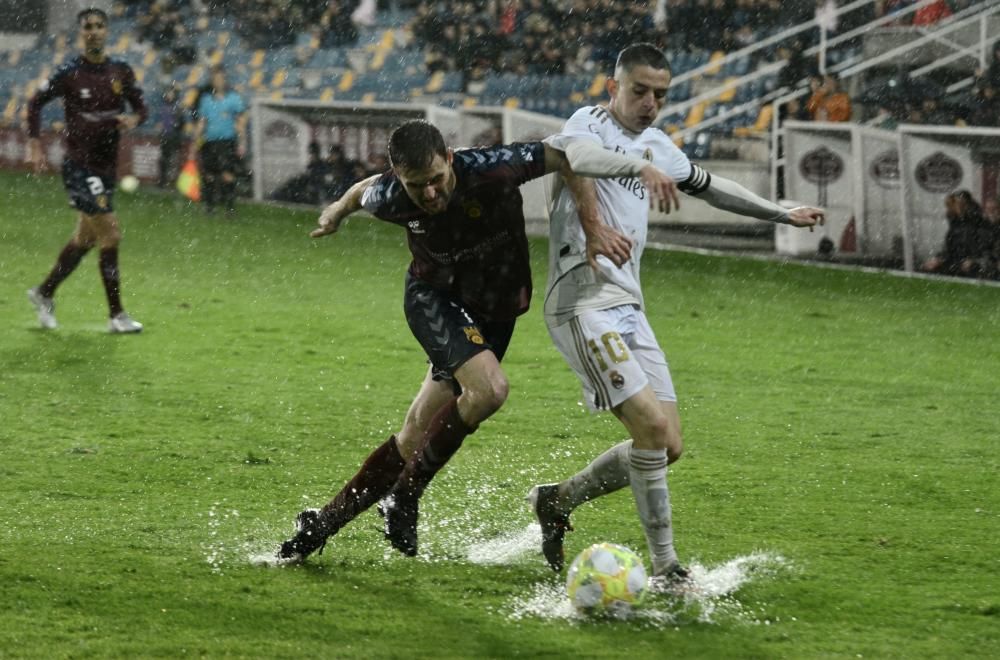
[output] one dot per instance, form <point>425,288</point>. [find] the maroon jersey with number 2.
<point>93,97</point>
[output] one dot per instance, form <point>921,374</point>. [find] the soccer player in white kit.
<point>594,307</point>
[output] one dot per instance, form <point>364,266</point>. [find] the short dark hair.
<point>414,144</point>
<point>84,13</point>
<point>639,54</point>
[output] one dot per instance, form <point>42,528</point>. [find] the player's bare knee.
<point>407,443</point>
<point>656,431</point>
<point>485,399</point>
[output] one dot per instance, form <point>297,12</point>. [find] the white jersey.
<point>573,287</point>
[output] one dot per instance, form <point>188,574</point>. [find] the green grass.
<point>845,422</point>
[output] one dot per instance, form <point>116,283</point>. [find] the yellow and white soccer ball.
<point>606,578</point>
<point>128,184</point>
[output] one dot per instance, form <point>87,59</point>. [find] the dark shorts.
<point>218,156</point>
<point>89,192</point>
<point>450,334</point>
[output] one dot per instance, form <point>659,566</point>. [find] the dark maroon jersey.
<point>476,248</point>
<point>93,97</point>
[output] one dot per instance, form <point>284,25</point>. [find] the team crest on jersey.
<point>617,380</point>
<point>472,208</point>
<point>102,201</point>
<point>472,334</point>
<point>648,154</point>
<point>84,92</point>
<point>116,86</point>
<point>414,226</point>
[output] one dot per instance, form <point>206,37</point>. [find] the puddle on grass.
<point>507,548</point>
<point>712,600</point>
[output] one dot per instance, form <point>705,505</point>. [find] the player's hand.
<point>806,216</point>
<point>662,189</point>
<point>128,121</point>
<point>329,221</point>
<point>35,156</point>
<point>603,240</point>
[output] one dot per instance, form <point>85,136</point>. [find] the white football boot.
<point>46,308</point>
<point>122,323</point>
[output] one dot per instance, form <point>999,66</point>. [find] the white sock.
<point>605,474</point>
<point>648,477</point>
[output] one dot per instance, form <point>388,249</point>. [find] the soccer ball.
<point>128,184</point>
<point>606,579</point>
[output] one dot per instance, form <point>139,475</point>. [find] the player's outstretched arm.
<point>601,238</point>
<point>335,213</point>
<point>728,195</point>
<point>806,216</point>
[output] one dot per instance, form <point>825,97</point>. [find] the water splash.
<point>507,548</point>
<point>710,599</point>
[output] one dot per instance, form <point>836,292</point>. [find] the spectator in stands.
<point>967,243</point>
<point>171,118</point>
<point>797,67</point>
<point>930,112</point>
<point>336,26</point>
<point>984,108</point>
<point>932,13</point>
<point>991,74</point>
<point>220,130</point>
<point>829,102</point>
<point>991,213</point>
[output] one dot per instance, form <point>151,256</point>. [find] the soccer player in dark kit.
<point>94,89</point>
<point>469,280</point>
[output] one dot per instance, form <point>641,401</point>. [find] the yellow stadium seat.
<point>367,98</point>
<point>715,62</point>
<point>279,77</point>
<point>512,102</point>
<point>327,94</point>
<point>195,74</point>
<point>761,125</point>
<point>728,95</point>
<point>346,81</point>
<point>696,114</point>
<point>257,60</point>
<point>435,83</point>
<point>597,86</point>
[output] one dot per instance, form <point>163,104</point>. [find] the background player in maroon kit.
<point>469,280</point>
<point>94,89</point>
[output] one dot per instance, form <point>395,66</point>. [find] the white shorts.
<point>614,354</point>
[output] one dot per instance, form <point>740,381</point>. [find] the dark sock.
<point>444,436</point>
<point>377,475</point>
<point>112,284</point>
<point>66,263</point>
<point>229,195</point>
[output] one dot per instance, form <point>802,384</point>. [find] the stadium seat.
<point>760,126</point>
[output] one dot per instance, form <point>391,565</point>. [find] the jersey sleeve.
<point>673,162</point>
<point>385,198</point>
<point>514,163</point>
<point>239,106</point>
<point>52,88</point>
<point>133,94</point>
<point>589,123</point>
